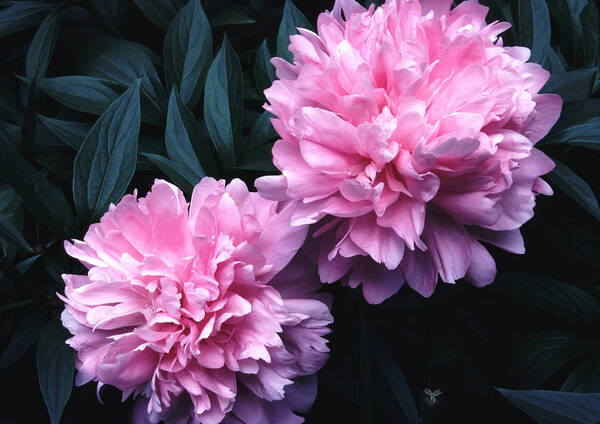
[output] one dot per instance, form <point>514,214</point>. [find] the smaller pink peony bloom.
<point>196,309</point>
<point>412,128</point>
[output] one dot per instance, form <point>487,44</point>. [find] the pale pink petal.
<point>547,111</point>
<point>187,306</point>
<point>482,269</point>
<point>448,246</point>
<point>378,283</point>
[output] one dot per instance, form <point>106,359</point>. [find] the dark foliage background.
<point>199,71</point>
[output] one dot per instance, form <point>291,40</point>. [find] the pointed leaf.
<point>198,139</point>
<point>178,143</point>
<point>23,338</point>
<point>56,368</point>
<point>572,85</point>
<point>175,171</point>
<point>264,72</point>
<point>533,25</point>
<point>45,201</point>
<point>9,233</point>
<point>112,12</point>
<point>541,355</point>
<point>81,93</point>
<point>575,187</point>
<point>396,381</point>
<point>42,46</point>
<point>70,133</point>
<point>554,296</point>
<point>292,18</point>
<point>160,12</point>
<point>579,124</point>
<point>12,211</point>
<point>223,103</point>
<point>584,134</point>
<point>566,14</point>
<point>586,377</point>
<point>259,159</point>
<point>232,17</point>
<point>22,15</point>
<point>106,161</point>
<point>554,64</point>
<point>123,62</point>
<point>187,52</point>
<point>548,407</point>
<point>262,132</point>
<point>590,27</point>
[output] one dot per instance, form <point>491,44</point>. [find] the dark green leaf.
<point>586,377</point>
<point>541,355</point>
<point>187,52</point>
<point>10,107</point>
<point>123,62</point>
<point>178,143</point>
<point>56,368</point>
<point>198,139</point>
<point>533,26</point>
<point>24,266</point>
<point>259,159</point>
<point>42,46</point>
<point>554,296</point>
<point>11,132</point>
<point>12,211</point>
<point>161,12</point>
<point>396,381</point>
<point>292,18</point>
<point>265,166</point>
<point>548,407</point>
<point>584,134</point>
<point>264,72</point>
<point>46,202</point>
<point>554,64</point>
<point>45,139</point>
<point>574,187</point>
<point>566,14</point>
<point>22,15</point>
<point>223,103</point>
<point>232,17</point>
<point>249,90</point>
<point>149,144</point>
<point>578,111</point>
<point>112,12</point>
<point>9,233</point>
<point>106,161</point>
<point>590,27</point>
<point>262,132</point>
<point>84,94</point>
<point>579,124</point>
<point>71,133</point>
<point>23,338</point>
<point>572,85</point>
<point>54,270</point>
<point>172,169</point>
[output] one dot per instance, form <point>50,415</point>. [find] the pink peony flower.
<point>193,310</point>
<point>412,127</point>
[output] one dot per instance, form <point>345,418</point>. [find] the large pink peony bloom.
<point>412,127</point>
<point>192,310</point>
